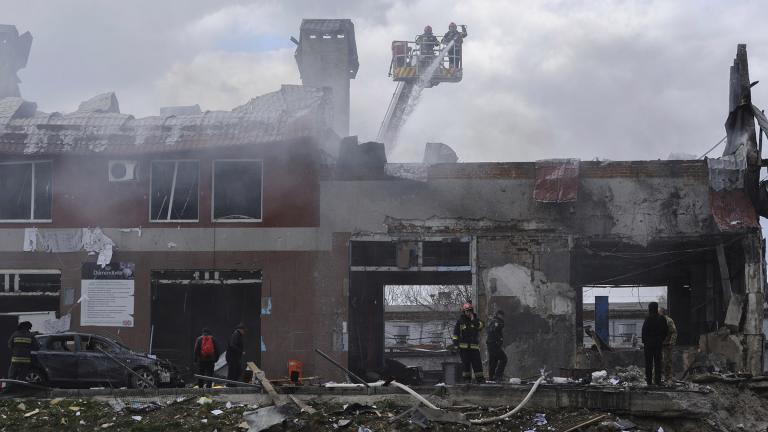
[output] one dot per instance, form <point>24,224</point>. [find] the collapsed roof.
<point>97,126</point>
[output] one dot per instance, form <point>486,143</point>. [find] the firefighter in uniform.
<point>21,344</point>
<point>427,44</point>
<point>466,338</point>
<point>454,54</point>
<point>497,359</point>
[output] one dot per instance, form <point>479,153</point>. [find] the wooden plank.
<point>586,423</point>
<point>304,407</point>
<point>259,374</point>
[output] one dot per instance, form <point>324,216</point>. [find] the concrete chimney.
<point>326,54</point>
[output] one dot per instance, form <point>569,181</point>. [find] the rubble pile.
<point>215,414</point>
<point>146,414</point>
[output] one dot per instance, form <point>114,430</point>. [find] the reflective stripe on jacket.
<point>21,344</point>
<point>466,332</point>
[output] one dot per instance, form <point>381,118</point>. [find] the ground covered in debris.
<point>211,414</point>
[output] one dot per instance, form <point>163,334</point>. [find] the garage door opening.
<point>382,270</point>
<point>616,313</point>
<point>183,302</point>
<point>418,324</point>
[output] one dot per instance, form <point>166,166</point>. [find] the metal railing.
<point>410,54</point>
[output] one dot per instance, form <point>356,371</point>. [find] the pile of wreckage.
<point>716,401</point>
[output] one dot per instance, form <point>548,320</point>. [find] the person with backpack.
<point>206,353</point>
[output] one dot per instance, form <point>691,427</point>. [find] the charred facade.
<point>254,215</point>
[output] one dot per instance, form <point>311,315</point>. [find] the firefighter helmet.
<point>428,29</point>
<point>452,26</point>
<point>466,307</point>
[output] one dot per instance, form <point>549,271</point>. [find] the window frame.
<point>32,192</point>
<point>176,161</point>
<point>12,278</point>
<point>213,192</point>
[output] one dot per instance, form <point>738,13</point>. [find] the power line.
<point>713,147</point>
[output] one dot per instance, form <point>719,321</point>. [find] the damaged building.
<point>270,215</point>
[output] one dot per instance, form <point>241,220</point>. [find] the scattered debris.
<point>265,418</point>
<point>422,416</point>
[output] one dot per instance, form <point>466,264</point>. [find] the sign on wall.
<point>107,295</point>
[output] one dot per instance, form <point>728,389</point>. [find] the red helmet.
<point>466,307</point>
<point>451,26</point>
<point>428,29</point>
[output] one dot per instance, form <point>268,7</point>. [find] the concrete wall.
<point>288,331</point>
<point>527,277</point>
<point>524,248</point>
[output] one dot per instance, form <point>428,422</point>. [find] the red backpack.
<point>207,350</point>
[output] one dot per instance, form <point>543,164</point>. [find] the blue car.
<point>81,360</point>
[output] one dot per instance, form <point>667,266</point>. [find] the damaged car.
<point>87,360</point>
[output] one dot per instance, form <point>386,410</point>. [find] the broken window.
<point>60,343</point>
<point>99,345</point>
<point>39,283</point>
<point>174,191</point>
<point>25,191</point>
<point>43,282</point>
<point>237,190</point>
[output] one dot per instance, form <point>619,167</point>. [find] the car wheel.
<point>147,382</point>
<point>36,376</point>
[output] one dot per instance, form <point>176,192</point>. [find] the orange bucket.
<point>294,370</point>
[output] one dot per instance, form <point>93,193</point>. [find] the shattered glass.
<point>237,190</point>
<point>175,190</point>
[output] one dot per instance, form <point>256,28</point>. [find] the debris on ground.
<point>730,394</point>
<point>220,414</point>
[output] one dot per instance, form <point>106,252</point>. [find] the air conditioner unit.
<point>122,171</point>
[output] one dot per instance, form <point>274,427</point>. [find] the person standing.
<point>235,352</point>
<point>427,43</point>
<point>497,359</point>
<point>466,338</point>
<point>21,343</point>
<point>457,37</point>
<point>654,333</point>
<point>669,342</point>
<point>206,353</point>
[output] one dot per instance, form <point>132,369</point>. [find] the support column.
<point>753,283</point>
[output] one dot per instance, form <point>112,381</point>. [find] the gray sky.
<point>609,79</point>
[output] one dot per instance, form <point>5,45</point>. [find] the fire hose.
<point>421,399</point>
<point>517,408</point>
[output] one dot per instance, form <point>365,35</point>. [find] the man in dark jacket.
<point>427,43</point>
<point>497,359</point>
<point>206,353</point>
<point>466,338</point>
<point>457,37</point>
<point>235,351</point>
<point>654,333</point>
<point>21,344</point>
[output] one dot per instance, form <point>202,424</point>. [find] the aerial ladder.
<point>414,71</point>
